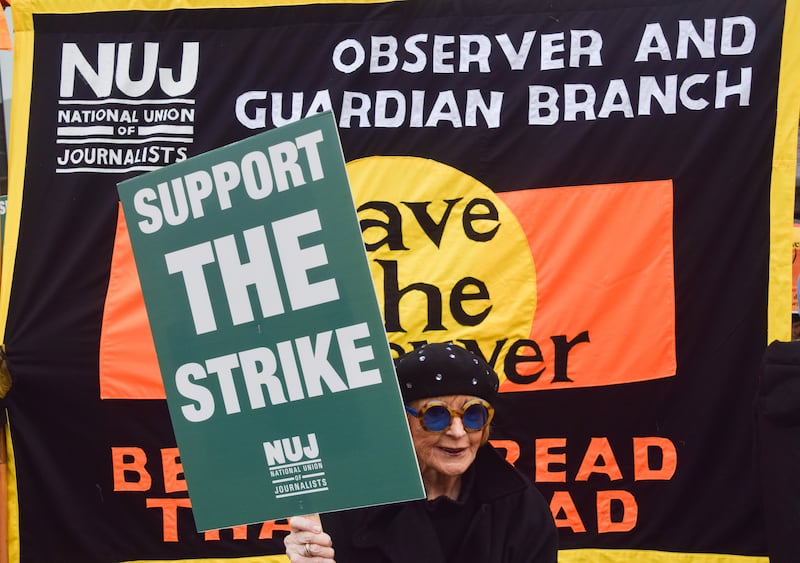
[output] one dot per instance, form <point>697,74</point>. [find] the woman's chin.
<point>453,462</point>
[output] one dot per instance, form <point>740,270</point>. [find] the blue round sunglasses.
<point>437,416</point>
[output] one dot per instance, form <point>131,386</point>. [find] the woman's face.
<point>450,452</point>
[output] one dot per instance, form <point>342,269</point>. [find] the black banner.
<point>627,392</point>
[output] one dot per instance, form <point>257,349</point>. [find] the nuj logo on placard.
<point>125,106</point>
<point>295,466</point>
<point>291,450</point>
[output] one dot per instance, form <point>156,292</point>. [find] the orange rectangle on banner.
<point>128,363</point>
<point>605,294</point>
<point>605,283</point>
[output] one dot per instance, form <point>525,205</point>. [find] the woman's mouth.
<point>452,451</point>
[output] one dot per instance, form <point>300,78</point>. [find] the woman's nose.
<point>456,427</point>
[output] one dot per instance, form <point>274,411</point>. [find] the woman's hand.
<point>307,542</point>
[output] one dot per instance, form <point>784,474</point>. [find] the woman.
<point>478,508</point>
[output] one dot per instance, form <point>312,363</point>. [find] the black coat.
<point>510,523</point>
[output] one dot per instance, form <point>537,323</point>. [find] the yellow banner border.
<point>647,556</point>
<point>782,190</point>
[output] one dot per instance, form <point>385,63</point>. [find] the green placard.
<point>269,337</point>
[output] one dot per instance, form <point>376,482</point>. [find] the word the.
<point>294,262</point>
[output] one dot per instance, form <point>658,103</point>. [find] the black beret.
<point>434,370</point>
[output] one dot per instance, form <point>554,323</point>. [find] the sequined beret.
<point>434,370</point>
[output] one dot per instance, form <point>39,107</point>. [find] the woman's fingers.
<point>307,542</point>
<point>311,553</point>
<point>314,554</point>
<point>320,539</point>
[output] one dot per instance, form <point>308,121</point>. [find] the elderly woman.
<point>478,509</point>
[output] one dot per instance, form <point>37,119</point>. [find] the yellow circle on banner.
<point>449,260</point>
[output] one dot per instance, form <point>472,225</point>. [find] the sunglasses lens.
<point>436,418</point>
<point>475,417</point>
